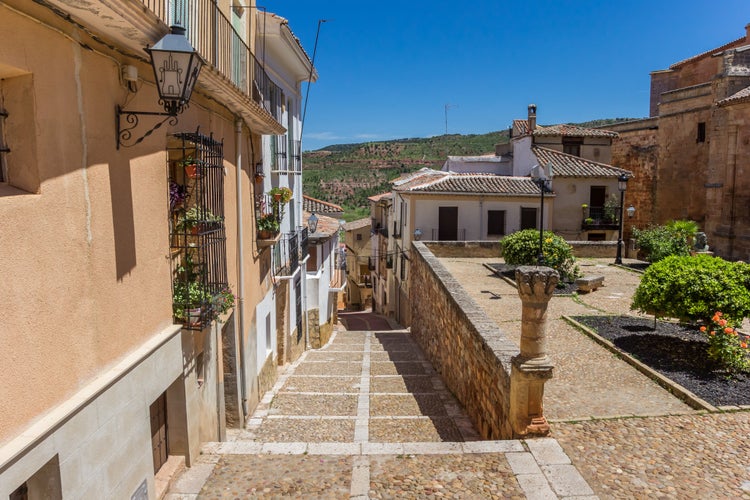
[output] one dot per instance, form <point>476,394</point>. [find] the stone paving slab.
<point>364,435</point>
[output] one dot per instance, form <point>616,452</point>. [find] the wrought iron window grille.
<point>197,233</point>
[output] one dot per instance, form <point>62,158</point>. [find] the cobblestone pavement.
<point>668,451</point>
<point>368,417</point>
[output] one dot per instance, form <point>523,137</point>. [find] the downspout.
<point>240,316</point>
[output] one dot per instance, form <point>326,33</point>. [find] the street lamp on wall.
<point>417,234</point>
<point>542,177</point>
<point>312,223</point>
<point>176,66</point>
<point>622,185</point>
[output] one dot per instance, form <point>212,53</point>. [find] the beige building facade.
<point>108,378</point>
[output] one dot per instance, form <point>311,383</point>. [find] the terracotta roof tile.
<point>327,226</point>
<point>741,96</point>
<point>724,47</point>
<point>357,224</point>
<point>378,197</point>
<point>521,126</point>
<point>573,131</point>
<point>565,165</point>
<point>320,206</point>
<point>475,184</point>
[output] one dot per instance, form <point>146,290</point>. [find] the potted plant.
<point>190,300</point>
<point>222,302</point>
<point>268,225</point>
<point>195,219</point>
<point>281,195</point>
<point>177,195</point>
<point>192,170</point>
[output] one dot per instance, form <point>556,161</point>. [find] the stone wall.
<point>637,151</point>
<point>319,334</point>
<point>472,355</point>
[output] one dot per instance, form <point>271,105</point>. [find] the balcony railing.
<point>601,217</point>
<point>364,280</point>
<point>221,46</point>
<point>297,157</point>
<point>286,255</point>
<point>460,235</point>
<point>304,243</point>
<point>279,152</point>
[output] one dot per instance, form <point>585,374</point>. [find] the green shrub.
<point>694,288</point>
<point>522,248</point>
<point>658,242</point>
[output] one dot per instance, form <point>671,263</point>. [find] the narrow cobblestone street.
<point>367,417</point>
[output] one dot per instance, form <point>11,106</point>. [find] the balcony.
<point>225,50</point>
<point>286,255</point>
<point>279,157</point>
<point>600,218</point>
<point>297,157</point>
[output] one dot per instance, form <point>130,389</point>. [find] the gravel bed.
<point>676,351</point>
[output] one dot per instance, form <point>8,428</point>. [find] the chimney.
<point>532,117</point>
<point>747,32</point>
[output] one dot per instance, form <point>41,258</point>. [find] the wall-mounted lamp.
<point>176,67</point>
<point>631,211</point>
<point>417,234</point>
<point>312,223</point>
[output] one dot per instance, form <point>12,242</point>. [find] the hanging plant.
<point>177,195</point>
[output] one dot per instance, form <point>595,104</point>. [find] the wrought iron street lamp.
<point>622,185</point>
<point>176,67</point>
<point>542,177</point>
<point>312,223</point>
<point>417,234</point>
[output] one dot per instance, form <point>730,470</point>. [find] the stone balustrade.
<point>500,386</point>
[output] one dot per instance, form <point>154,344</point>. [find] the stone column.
<point>532,367</point>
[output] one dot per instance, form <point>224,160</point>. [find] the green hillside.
<point>347,174</point>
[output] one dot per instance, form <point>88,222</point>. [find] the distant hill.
<point>347,174</point>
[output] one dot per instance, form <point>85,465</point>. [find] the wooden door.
<point>448,223</point>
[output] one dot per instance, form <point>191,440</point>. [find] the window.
<point>528,218</point>
<point>359,236</point>
<point>496,222</point>
<point>596,236</point>
<point>701,132</point>
<point>18,163</point>
<point>572,145</point>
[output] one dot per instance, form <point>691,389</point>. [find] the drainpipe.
<point>240,316</point>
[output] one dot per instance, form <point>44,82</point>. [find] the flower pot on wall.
<point>192,171</point>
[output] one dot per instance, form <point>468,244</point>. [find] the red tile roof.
<point>357,224</point>
<point>737,98</point>
<point>734,43</point>
<point>451,182</point>
<point>378,197</point>
<point>565,165</point>
<point>573,131</point>
<point>319,206</point>
<point>521,126</point>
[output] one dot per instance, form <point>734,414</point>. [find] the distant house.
<point>325,278</point>
<point>357,237</point>
<point>483,198</point>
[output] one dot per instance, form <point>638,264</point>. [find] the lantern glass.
<point>176,67</point>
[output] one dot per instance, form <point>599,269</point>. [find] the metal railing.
<point>601,217</point>
<point>297,157</point>
<point>279,160</point>
<point>304,243</point>
<point>286,255</point>
<point>221,46</point>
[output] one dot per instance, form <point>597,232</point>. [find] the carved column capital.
<point>535,283</point>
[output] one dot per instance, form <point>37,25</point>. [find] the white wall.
<point>472,213</point>
<point>523,159</point>
<point>266,328</point>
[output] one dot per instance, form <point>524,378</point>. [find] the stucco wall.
<point>472,355</point>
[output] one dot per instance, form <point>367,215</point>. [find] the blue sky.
<point>387,69</point>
